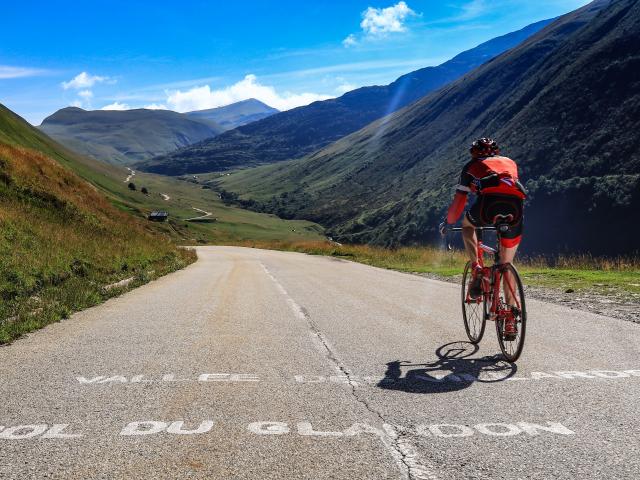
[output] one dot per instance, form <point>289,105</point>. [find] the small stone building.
<point>158,216</point>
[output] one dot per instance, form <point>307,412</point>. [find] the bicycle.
<point>502,299</point>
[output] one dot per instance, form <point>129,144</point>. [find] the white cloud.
<point>473,9</point>
<point>350,41</point>
<point>345,87</point>
<point>83,80</point>
<point>116,106</point>
<point>7,71</point>
<point>370,65</point>
<point>380,21</point>
<point>156,106</point>
<point>84,99</point>
<point>200,98</point>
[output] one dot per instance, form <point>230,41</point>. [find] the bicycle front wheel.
<point>511,318</point>
<point>474,311</point>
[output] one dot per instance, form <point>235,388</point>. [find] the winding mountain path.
<point>255,364</point>
<point>132,174</point>
<point>204,215</point>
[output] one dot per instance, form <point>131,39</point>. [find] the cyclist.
<point>494,180</point>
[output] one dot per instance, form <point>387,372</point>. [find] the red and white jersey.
<point>491,175</point>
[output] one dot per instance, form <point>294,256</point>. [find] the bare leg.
<point>507,254</point>
<point>470,239</point>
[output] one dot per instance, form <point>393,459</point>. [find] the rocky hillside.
<point>565,104</point>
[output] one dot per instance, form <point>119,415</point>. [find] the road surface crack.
<point>395,438</point>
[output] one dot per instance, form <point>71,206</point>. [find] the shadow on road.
<point>453,370</point>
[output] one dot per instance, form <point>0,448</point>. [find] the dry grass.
<point>406,259</point>
<point>612,276</point>
<point>585,262</point>
<point>61,242</point>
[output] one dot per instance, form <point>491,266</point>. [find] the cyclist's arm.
<point>460,198</point>
<point>457,206</point>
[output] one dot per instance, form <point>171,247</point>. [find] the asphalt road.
<point>267,365</point>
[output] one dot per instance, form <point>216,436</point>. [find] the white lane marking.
<point>317,339</point>
<point>444,430</point>
<point>57,432</point>
<point>41,430</point>
<point>395,437</point>
<point>176,428</point>
<point>533,429</point>
<point>145,427</point>
<point>363,380</point>
<point>268,428</point>
<point>398,447</point>
<point>228,377</point>
<point>306,429</point>
<point>450,430</point>
<point>152,427</point>
<point>21,432</point>
<point>498,429</point>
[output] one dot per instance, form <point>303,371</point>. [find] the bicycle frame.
<point>491,274</point>
<point>502,298</point>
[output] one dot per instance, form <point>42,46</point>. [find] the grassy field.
<point>180,198</point>
<point>577,273</point>
<point>232,224</point>
<point>227,224</point>
<point>62,243</point>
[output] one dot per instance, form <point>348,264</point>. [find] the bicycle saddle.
<point>503,222</point>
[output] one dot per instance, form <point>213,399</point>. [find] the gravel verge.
<point>616,304</point>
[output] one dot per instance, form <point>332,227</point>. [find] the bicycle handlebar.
<point>496,226</point>
<point>500,225</point>
<point>459,229</point>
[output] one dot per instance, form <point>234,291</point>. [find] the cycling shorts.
<point>486,207</point>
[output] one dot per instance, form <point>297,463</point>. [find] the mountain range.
<point>125,137</point>
<point>297,132</point>
<point>565,104</point>
<point>235,114</point>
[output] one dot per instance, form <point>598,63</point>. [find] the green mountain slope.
<point>227,224</point>
<point>565,104</point>
<point>61,241</point>
<point>302,130</point>
<point>236,114</point>
<point>125,137</point>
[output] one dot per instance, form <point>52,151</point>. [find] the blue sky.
<point>199,54</point>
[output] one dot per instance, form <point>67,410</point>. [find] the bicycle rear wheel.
<point>474,311</point>
<point>511,302</point>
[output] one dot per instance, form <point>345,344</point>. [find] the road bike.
<point>502,299</point>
